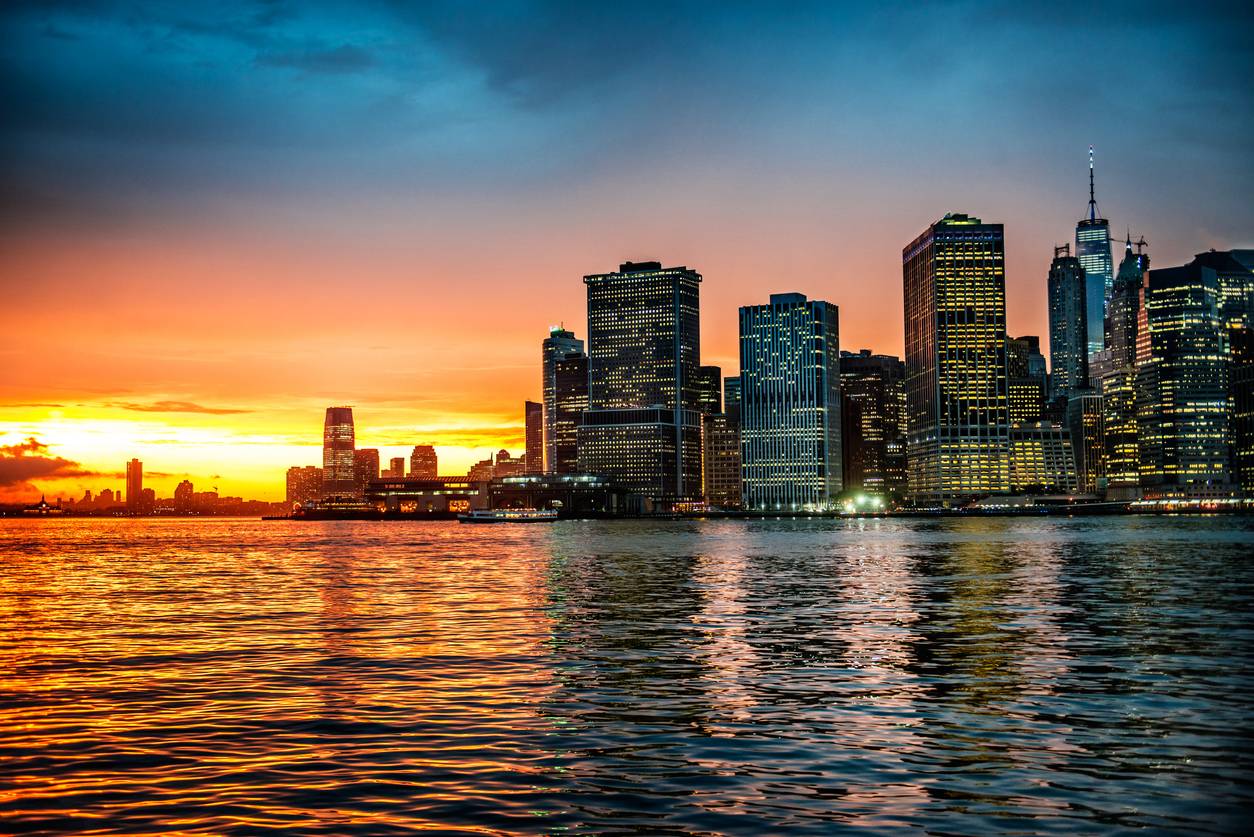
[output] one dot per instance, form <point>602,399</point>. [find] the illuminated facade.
<point>643,424</point>
<point>570,376</point>
<point>1041,459</point>
<point>1025,383</point>
<point>957,402</point>
<point>710,390</point>
<point>533,416</point>
<point>338,461</point>
<point>134,486</point>
<point>559,345</point>
<point>304,485</point>
<point>365,468</point>
<point>423,462</point>
<point>396,467</point>
<point>873,407</point>
<point>1092,246</point>
<point>1118,386</point>
<point>790,439</point>
<point>1068,323</point>
<point>1086,421</point>
<point>721,473</point>
<point>1242,349</point>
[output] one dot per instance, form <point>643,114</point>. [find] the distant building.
<point>484,469</point>
<point>533,419</point>
<point>957,400</point>
<point>873,405</point>
<point>183,497</point>
<point>304,485</point>
<point>710,390</point>
<point>1092,245</point>
<point>507,466</point>
<point>339,477</point>
<point>365,469</point>
<point>1042,460</point>
<point>1068,323</point>
<point>397,468</point>
<point>731,392</point>
<point>790,437</point>
<point>722,458</point>
<point>423,462</point>
<point>570,400</point>
<point>1242,349</point>
<point>643,424</point>
<point>1086,421</point>
<point>134,486</point>
<point>559,345</point>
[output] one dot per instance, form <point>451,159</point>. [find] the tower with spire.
<point>1092,244</point>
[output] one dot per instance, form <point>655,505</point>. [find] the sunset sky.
<point>219,219</point>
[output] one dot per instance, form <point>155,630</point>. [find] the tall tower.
<point>533,422</point>
<point>790,404</point>
<point>1123,478</point>
<point>134,485</point>
<point>1068,322</point>
<point>1092,246</point>
<point>338,457</point>
<point>957,401</point>
<point>570,376</point>
<point>643,425</point>
<point>559,345</point>
<point>424,462</point>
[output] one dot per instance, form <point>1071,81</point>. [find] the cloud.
<point>174,407</point>
<point>338,61</point>
<point>28,460</point>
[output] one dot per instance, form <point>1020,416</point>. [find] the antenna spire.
<point>1092,199</point>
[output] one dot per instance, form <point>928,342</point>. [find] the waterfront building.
<point>304,485</point>
<point>790,434</point>
<point>423,463</point>
<point>570,375</point>
<point>722,458</point>
<point>643,424</point>
<point>872,420</point>
<point>183,495</point>
<point>572,495</point>
<point>533,415</point>
<point>1241,346</point>
<point>957,403</point>
<point>710,390</point>
<point>559,345</point>
<point>1085,420</point>
<point>338,461</point>
<point>1092,244</point>
<point>1118,384</point>
<point>1068,323</point>
<point>1042,460</point>
<point>1025,391</point>
<point>134,486</point>
<point>437,497</point>
<point>1183,411</point>
<point>731,392</point>
<point>365,468</point>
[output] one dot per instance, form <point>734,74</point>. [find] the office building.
<point>559,345</point>
<point>396,467</point>
<point>1068,323</point>
<point>872,403</point>
<point>957,403</point>
<point>731,392</point>
<point>134,486</point>
<point>507,466</point>
<point>423,462</point>
<point>722,459</point>
<point>1041,459</point>
<point>533,415</point>
<point>1086,421</point>
<point>1025,391</point>
<point>1241,348</point>
<point>643,424</point>
<point>790,435</point>
<point>365,469</point>
<point>1118,384</point>
<point>1092,246</point>
<point>183,495</point>
<point>304,484</point>
<point>570,376</point>
<point>338,461</point>
<point>710,390</point>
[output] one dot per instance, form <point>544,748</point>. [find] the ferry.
<point>509,516</point>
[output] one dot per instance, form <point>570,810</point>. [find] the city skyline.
<point>175,318</point>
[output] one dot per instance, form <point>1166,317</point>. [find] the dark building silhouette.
<point>731,392</point>
<point>710,390</point>
<point>643,424</point>
<point>183,495</point>
<point>338,461</point>
<point>873,403</point>
<point>957,410</point>
<point>365,469</point>
<point>1068,324</point>
<point>533,415</point>
<point>423,462</point>
<point>559,345</point>
<point>570,400</point>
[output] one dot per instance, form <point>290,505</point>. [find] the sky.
<point>219,219</point>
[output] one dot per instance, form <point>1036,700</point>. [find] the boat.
<point>508,516</point>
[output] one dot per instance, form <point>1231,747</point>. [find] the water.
<point>950,677</point>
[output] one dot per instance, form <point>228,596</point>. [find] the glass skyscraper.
<point>570,376</point>
<point>957,401</point>
<point>1119,403</point>
<point>790,440</point>
<point>338,454</point>
<point>1092,246</point>
<point>643,424</point>
<point>1068,323</point>
<point>559,345</point>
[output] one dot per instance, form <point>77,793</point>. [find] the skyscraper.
<point>304,484</point>
<point>423,462</point>
<point>873,401</point>
<point>1092,245</point>
<point>958,430</point>
<point>533,416</point>
<point>643,426</point>
<point>570,377</point>
<point>1068,323</point>
<point>338,461</point>
<point>365,468</point>
<point>559,345</point>
<point>710,390</point>
<point>396,467</point>
<point>731,392</point>
<point>134,486</point>
<point>1118,386</point>
<point>790,438</point>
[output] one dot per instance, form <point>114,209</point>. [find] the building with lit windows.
<point>1025,386</point>
<point>731,392</point>
<point>559,345</point>
<point>134,486</point>
<point>957,403</point>
<point>873,406</point>
<point>1118,384</point>
<point>183,495</point>
<point>533,416</point>
<point>396,467</point>
<point>338,460</point>
<point>1092,246</point>
<point>1086,421</point>
<point>1041,459</point>
<point>423,462</point>
<point>365,469</point>
<point>790,439</point>
<point>642,428</point>
<point>710,390</point>
<point>722,458</point>
<point>304,484</point>
<point>1241,347</point>
<point>570,381</point>
<point>1068,323</point>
